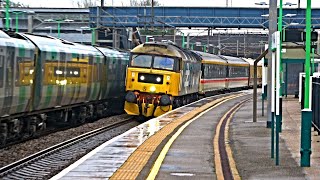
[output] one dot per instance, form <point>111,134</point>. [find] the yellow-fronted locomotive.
<point>164,76</point>
<point>159,77</point>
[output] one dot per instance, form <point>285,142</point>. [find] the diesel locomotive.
<point>159,77</point>
<point>163,76</point>
<point>44,81</point>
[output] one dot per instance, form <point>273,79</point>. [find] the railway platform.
<point>213,138</point>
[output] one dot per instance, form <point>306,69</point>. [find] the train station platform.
<point>202,140</point>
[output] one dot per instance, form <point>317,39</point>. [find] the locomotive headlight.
<point>158,79</point>
<point>133,74</point>
<point>152,88</point>
<point>168,78</point>
<point>142,78</point>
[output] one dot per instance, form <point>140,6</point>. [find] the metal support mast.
<point>7,14</point>
<point>279,88</point>
<point>272,29</point>
<point>307,111</point>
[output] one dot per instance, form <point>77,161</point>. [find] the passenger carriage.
<point>47,80</point>
<point>213,73</point>
<point>259,72</point>
<point>238,73</point>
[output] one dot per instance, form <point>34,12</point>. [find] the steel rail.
<point>56,154</point>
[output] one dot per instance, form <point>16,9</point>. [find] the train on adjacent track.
<point>163,76</point>
<point>48,81</point>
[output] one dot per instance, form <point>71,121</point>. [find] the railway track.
<point>46,163</point>
<point>25,139</point>
<point>49,130</point>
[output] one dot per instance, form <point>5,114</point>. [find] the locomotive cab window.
<point>163,63</point>
<point>140,60</point>
<point>156,62</point>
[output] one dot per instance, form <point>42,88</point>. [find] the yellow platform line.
<point>156,167</point>
<point>217,157</point>
<point>139,158</point>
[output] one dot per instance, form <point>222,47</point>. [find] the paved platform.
<point>252,148</point>
<point>106,159</point>
<point>191,155</point>
<point>291,136</point>
<point>251,145</point>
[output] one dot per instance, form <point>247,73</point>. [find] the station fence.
<point>315,102</point>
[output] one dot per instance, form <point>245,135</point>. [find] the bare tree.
<point>14,4</point>
<point>85,3</point>
<point>144,3</point>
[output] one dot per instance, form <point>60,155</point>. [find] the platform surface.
<point>191,156</point>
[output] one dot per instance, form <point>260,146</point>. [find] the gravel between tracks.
<point>19,151</point>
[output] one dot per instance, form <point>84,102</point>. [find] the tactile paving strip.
<point>139,158</point>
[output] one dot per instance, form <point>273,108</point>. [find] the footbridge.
<point>215,17</point>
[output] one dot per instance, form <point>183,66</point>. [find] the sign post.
<point>273,86</point>
<point>278,83</point>
<point>264,80</point>
<point>277,93</point>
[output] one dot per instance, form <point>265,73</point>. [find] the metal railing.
<point>315,102</point>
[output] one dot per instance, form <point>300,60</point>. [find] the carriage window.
<point>9,73</point>
<point>1,71</point>
<point>67,72</point>
<point>139,60</point>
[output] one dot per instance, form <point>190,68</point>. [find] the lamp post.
<point>10,22</point>
<point>17,13</point>
<point>49,27</point>
<point>271,113</point>
<point>306,116</point>
<point>278,87</point>
<point>93,33</point>
<point>183,40</point>
<point>7,14</point>
<point>59,23</point>
<point>285,4</point>
<point>81,31</point>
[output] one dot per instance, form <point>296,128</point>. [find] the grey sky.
<point>205,3</point>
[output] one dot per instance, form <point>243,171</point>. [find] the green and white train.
<point>46,81</point>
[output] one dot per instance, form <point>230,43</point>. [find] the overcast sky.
<point>205,3</point>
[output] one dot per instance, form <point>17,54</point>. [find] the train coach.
<point>259,72</point>
<point>214,71</point>
<point>44,81</point>
<point>238,73</point>
<point>222,73</point>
